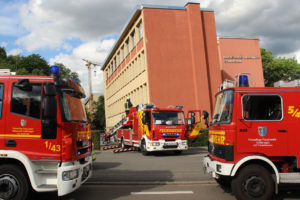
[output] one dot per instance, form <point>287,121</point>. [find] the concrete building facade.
<point>168,56</point>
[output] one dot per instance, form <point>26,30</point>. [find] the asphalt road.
<point>130,176</point>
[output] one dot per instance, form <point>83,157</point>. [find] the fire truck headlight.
<point>184,142</point>
<point>155,143</point>
<point>70,175</point>
<point>219,168</point>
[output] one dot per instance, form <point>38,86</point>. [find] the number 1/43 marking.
<point>52,147</point>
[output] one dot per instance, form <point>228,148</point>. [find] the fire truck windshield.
<point>168,118</point>
<point>223,107</point>
<point>73,108</point>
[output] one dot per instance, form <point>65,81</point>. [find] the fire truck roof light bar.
<point>54,70</point>
<point>243,81</point>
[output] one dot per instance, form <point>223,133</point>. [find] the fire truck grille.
<point>221,151</point>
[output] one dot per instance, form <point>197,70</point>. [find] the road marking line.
<point>162,192</point>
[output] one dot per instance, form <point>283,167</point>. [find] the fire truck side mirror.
<point>50,108</point>
<point>49,89</point>
<point>205,116</point>
<point>144,118</point>
<point>49,102</point>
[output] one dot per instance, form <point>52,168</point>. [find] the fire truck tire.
<point>13,183</point>
<point>144,148</point>
<point>224,182</point>
<point>253,182</point>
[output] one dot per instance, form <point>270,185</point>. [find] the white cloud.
<point>51,23</point>
<point>9,18</point>
<point>295,55</point>
<point>15,52</point>
<point>275,23</point>
<point>94,51</point>
<point>3,44</point>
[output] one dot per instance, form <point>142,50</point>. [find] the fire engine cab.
<point>254,138</point>
<point>150,128</point>
<point>45,140</point>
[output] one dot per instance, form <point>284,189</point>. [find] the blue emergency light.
<point>54,69</point>
<point>74,80</point>
<point>243,81</point>
<point>149,106</point>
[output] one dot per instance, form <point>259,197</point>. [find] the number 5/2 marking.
<point>294,112</point>
<point>291,109</point>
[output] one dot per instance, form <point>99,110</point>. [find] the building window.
<point>1,98</point>
<point>140,30</point>
<point>127,46</point>
<point>118,59</point>
<point>115,63</point>
<point>122,54</point>
<point>140,63</point>
<point>146,93</point>
<point>144,60</point>
<point>133,37</point>
<point>27,102</point>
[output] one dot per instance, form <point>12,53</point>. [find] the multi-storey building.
<point>165,55</point>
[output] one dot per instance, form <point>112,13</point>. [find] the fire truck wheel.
<point>13,182</point>
<point>224,182</point>
<point>144,148</point>
<point>253,182</point>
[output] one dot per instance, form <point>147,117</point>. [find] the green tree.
<point>99,115</point>
<point>276,69</point>
<point>3,55</point>
<point>33,64</point>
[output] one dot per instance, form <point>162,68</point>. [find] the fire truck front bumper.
<point>216,168</point>
<point>162,145</point>
<point>71,175</point>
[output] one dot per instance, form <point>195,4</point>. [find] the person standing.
<point>128,105</point>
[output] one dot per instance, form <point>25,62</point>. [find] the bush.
<point>96,139</point>
<point>200,140</point>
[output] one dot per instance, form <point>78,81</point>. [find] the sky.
<point>67,31</point>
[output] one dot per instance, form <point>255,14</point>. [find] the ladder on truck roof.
<point>114,129</point>
<point>6,72</point>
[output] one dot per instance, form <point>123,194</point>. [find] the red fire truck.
<point>158,129</point>
<point>253,139</point>
<point>45,140</point>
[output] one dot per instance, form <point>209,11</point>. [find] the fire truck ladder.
<point>114,129</point>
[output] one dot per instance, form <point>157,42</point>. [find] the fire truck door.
<point>194,123</point>
<point>24,124</point>
<point>261,124</point>
<point>2,115</point>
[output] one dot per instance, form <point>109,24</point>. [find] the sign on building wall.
<point>238,59</point>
